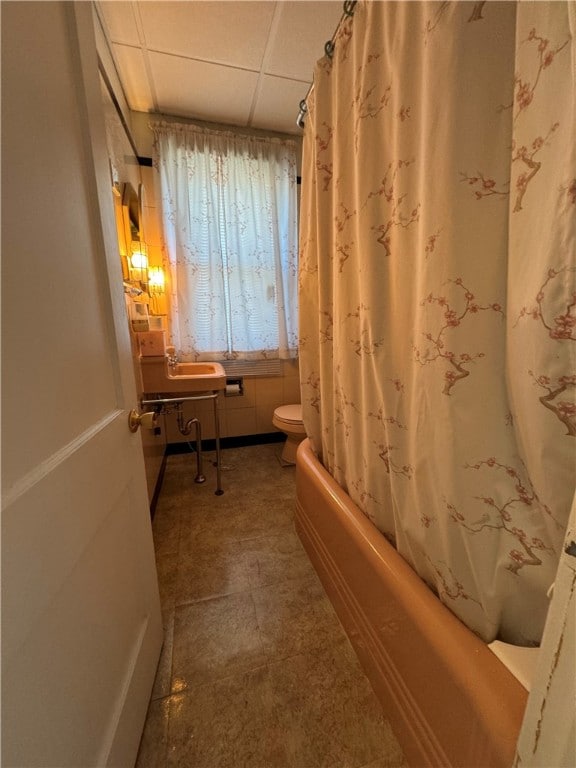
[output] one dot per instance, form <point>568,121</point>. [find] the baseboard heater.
<point>238,368</point>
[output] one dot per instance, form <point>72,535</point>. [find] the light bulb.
<point>139,260</point>
<point>156,278</point>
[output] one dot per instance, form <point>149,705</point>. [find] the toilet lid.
<point>292,414</point>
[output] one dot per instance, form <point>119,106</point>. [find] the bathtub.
<point>449,699</point>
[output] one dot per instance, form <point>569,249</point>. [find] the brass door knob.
<point>148,420</point>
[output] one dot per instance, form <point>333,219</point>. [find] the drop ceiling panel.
<point>206,91</point>
<point>303,29</point>
<point>278,104</point>
<point>134,78</point>
<point>233,33</point>
<point>239,62</point>
<point>120,22</point>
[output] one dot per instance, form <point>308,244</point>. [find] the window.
<point>230,229</point>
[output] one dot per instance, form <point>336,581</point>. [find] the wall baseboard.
<point>227,442</point>
<point>158,486</point>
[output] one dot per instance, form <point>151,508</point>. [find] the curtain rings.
<point>349,7</point>
<point>302,114</point>
<point>348,11</point>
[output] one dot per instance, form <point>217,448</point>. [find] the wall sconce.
<point>138,262</point>
<point>156,280</point>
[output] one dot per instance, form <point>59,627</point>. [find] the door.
<point>81,622</point>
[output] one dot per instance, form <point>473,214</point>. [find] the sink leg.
<point>219,490</point>
<point>199,476</point>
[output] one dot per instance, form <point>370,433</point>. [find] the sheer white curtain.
<point>230,229</point>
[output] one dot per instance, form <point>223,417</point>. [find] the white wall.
<point>127,170</point>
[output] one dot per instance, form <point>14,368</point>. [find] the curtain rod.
<point>328,50</point>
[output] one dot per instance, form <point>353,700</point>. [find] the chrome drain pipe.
<point>185,430</point>
<point>164,404</point>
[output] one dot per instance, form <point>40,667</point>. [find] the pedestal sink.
<point>169,383</point>
<point>159,376</point>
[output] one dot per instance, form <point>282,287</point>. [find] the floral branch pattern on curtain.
<point>437,293</point>
<point>452,319</point>
<point>230,231</point>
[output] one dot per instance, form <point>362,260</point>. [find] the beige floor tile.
<point>328,710</point>
<point>277,492</point>
<point>276,558</point>
<point>310,711</point>
<point>295,616</point>
<point>238,522</point>
<point>256,670</point>
<point>263,474</point>
<point>244,470</point>
<point>217,566</point>
<point>179,475</point>
<point>153,745</point>
<point>184,492</point>
<point>167,569</point>
<point>166,529</point>
<point>167,543</point>
<point>227,724</point>
<point>163,679</point>
<point>250,465</point>
<point>222,569</point>
<point>214,639</point>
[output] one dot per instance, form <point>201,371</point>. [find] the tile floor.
<point>256,670</point>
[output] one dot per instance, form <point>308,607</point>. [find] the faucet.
<point>171,356</point>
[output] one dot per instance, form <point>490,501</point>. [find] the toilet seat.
<point>289,414</point>
<point>288,419</point>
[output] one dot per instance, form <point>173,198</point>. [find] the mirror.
<point>143,282</point>
<point>130,230</point>
<point>132,205</point>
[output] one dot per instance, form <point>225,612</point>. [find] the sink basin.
<point>193,369</point>
<point>158,376</point>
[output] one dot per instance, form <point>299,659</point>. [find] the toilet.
<point>288,419</point>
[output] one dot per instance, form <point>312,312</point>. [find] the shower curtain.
<point>438,292</point>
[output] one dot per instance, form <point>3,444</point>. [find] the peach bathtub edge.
<point>449,699</point>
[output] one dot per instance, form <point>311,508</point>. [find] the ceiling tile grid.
<point>229,33</point>
<point>239,62</point>
<point>134,77</point>
<point>191,88</point>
